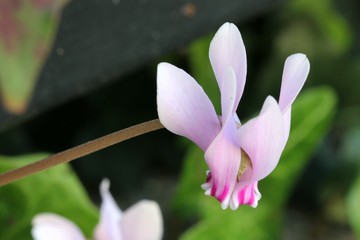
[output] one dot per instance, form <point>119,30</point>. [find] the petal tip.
<point>53,226</point>
<point>164,65</point>
<point>145,218</point>
<point>299,58</point>
<point>104,185</point>
<point>296,70</point>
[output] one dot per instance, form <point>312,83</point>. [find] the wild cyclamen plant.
<point>238,155</point>
<point>142,221</point>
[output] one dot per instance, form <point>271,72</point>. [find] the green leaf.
<point>26,37</point>
<point>326,20</point>
<point>311,117</point>
<point>312,114</point>
<point>56,190</point>
<point>353,207</point>
<point>202,71</point>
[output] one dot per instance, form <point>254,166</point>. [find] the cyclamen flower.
<point>238,155</point>
<point>142,221</point>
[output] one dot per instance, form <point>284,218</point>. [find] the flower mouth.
<point>244,164</point>
<point>211,186</point>
<point>241,194</point>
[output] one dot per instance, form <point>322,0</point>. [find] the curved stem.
<point>80,151</point>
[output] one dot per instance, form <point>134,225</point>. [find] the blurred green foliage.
<point>351,152</point>
<point>331,34</point>
<point>201,70</point>
<point>55,190</point>
<point>26,36</point>
<point>353,207</point>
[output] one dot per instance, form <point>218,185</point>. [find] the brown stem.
<point>80,151</point>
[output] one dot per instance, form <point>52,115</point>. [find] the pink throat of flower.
<point>241,194</point>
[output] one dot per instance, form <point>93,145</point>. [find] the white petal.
<point>262,138</point>
<point>55,227</point>
<point>227,50</point>
<point>296,70</point>
<point>287,122</point>
<point>228,95</point>
<point>109,227</point>
<point>183,106</point>
<point>143,221</point>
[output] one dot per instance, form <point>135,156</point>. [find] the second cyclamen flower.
<point>238,155</point>
<point>142,221</point>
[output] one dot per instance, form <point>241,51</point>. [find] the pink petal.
<point>55,227</point>
<point>183,106</point>
<point>296,70</point>
<point>223,158</point>
<point>262,138</point>
<point>245,194</point>
<point>109,226</point>
<point>143,221</point>
<point>223,155</point>
<point>227,50</point>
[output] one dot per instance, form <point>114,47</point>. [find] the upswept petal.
<point>245,193</point>
<point>296,70</point>
<point>183,106</point>
<point>262,138</point>
<point>108,227</point>
<point>52,226</point>
<point>223,158</point>
<point>228,95</point>
<point>143,221</point>
<point>227,50</point>
<point>287,123</point>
